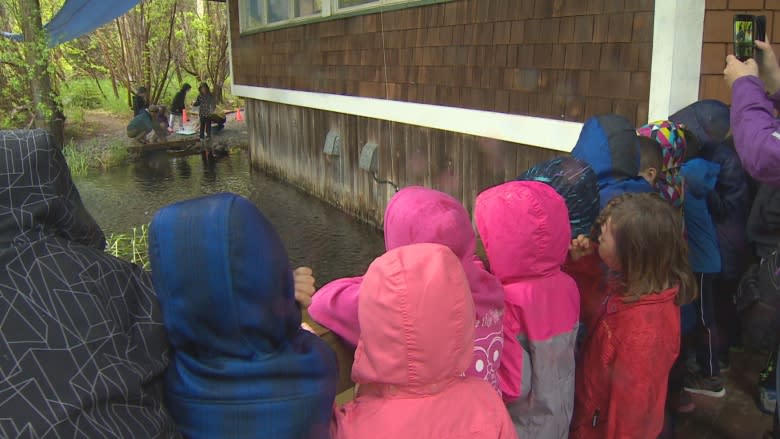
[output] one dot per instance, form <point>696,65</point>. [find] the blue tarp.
<point>80,17</point>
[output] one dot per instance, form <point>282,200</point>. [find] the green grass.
<point>132,246</point>
<point>94,154</point>
<point>77,161</point>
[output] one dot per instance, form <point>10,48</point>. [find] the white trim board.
<point>678,30</point>
<point>535,131</point>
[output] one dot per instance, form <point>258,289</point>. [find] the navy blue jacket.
<point>729,203</point>
<point>242,366</point>
<point>764,223</point>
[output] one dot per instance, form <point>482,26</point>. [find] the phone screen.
<point>743,37</point>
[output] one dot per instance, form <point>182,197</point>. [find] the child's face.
<point>607,250</point>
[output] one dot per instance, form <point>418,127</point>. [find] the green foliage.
<point>132,246</point>
<point>82,94</point>
<point>94,154</point>
<point>159,44</point>
<point>77,161</point>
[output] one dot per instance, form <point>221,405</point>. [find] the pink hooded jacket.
<point>417,320</point>
<point>525,229</point>
<point>419,215</point>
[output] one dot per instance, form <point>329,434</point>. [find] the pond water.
<point>315,233</point>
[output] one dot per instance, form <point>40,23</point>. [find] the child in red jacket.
<point>625,361</point>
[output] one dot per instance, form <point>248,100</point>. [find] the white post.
<point>678,30</point>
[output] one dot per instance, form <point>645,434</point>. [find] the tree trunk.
<point>48,113</point>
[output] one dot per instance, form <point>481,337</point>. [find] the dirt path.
<point>108,128</point>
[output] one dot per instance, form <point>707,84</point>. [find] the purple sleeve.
<point>755,130</point>
<point>335,306</point>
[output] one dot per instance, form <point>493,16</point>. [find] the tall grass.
<point>94,154</point>
<point>77,161</point>
<point>132,246</point>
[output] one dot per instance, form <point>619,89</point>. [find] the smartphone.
<point>747,29</point>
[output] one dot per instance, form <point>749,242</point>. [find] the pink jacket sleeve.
<point>335,306</point>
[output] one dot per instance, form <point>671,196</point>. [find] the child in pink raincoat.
<point>417,333</point>
<point>419,215</point>
<point>525,228</point>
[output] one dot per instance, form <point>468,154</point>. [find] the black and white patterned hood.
<point>82,346</point>
<point>37,195</point>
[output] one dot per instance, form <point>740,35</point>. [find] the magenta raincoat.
<point>422,215</point>
<point>525,228</point>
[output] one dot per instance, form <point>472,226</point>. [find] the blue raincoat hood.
<point>708,120</point>
<point>242,364</point>
<point>609,144</point>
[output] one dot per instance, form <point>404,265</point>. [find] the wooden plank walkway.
<point>188,142</point>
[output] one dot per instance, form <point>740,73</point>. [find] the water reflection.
<point>183,169</point>
<point>315,233</point>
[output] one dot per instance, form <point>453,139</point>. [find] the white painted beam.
<point>678,30</point>
<point>535,131</point>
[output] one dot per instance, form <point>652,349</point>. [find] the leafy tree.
<point>204,42</point>
<point>26,88</point>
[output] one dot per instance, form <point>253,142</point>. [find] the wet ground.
<point>736,415</point>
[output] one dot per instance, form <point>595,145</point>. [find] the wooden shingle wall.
<point>718,40</point>
<point>563,59</point>
<point>287,141</point>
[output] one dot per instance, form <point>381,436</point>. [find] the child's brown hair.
<point>649,246</point>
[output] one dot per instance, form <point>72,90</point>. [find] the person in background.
<point>140,101</point>
<point>178,105</point>
<point>755,95</point>
<point>207,104</point>
<point>418,215</point>
<point>144,123</point>
<point>575,181</point>
<point>754,100</point>
<point>610,145</point>
<point>242,365</point>
<point>729,205</point>
<point>625,361</point>
<point>524,226</point>
<point>417,324</point>
<point>650,162</point>
<point>84,346</point>
<point>704,254</point>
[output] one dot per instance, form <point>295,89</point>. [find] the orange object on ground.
<point>239,117</point>
<point>184,116</point>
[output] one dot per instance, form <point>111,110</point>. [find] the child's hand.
<point>306,327</point>
<point>304,285</point>
<point>580,247</point>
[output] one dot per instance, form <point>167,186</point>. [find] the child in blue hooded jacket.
<point>242,366</point>
<point>610,145</point>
